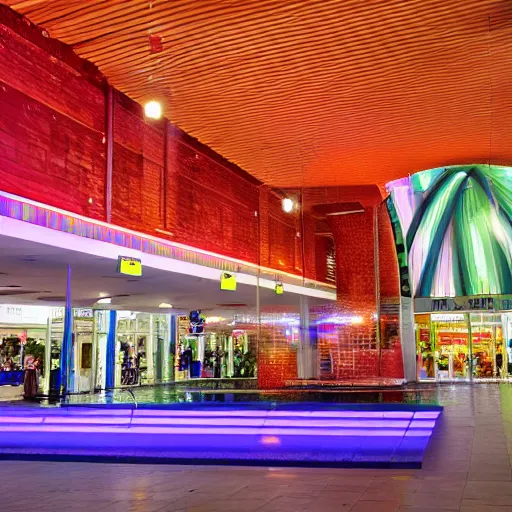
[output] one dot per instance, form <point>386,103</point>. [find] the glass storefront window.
<point>450,335</point>
<point>143,349</point>
<point>220,348</point>
<point>442,342</point>
<point>425,348</point>
<point>488,347</point>
<point>464,346</point>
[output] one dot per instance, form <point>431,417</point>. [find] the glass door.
<point>488,345</point>
<point>450,336</point>
<point>425,350</point>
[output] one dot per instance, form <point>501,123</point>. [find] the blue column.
<point>110,370</point>
<point>172,346</point>
<point>66,352</point>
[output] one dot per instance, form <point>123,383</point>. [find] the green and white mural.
<point>453,228</point>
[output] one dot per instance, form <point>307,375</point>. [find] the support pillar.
<point>111,351</point>
<point>67,353</point>
<point>150,351</point>
<point>368,291</point>
<point>307,367</point>
<point>408,339</point>
<point>47,356</point>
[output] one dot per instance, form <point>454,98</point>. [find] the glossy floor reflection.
<point>466,468</point>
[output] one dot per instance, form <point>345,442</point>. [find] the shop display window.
<point>216,352</point>
<point>488,346</point>
<point>143,349</point>
<point>463,346</point>
<point>86,356</point>
<point>425,348</point>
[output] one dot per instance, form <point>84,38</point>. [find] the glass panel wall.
<point>23,338</point>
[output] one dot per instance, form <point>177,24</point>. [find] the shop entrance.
<point>463,346</point>
<point>451,337</point>
<point>442,347</point>
<point>489,357</point>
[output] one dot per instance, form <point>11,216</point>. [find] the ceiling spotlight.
<point>287,205</point>
<point>153,110</point>
<point>104,300</point>
<point>165,305</point>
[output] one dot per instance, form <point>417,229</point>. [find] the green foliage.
<point>36,350</point>
<point>246,366</point>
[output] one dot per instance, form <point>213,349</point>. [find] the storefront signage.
<point>448,318</point>
<point>485,303</point>
<point>506,304</point>
<point>228,281</point>
<point>77,313</point>
<point>13,314</point>
<point>463,304</point>
<point>129,266</point>
<point>82,313</point>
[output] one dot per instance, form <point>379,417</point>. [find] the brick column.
<point>366,349</point>
<point>391,353</point>
<point>355,262</point>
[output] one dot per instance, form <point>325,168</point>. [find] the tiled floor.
<point>467,468</point>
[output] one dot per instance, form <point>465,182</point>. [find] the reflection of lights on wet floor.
<point>281,473</point>
<point>270,440</point>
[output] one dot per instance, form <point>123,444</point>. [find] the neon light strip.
<point>427,414</point>
<point>352,432</point>
<point>34,233</point>
<point>148,413</point>
<point>220,422</point>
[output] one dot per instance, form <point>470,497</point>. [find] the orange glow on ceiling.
<point>310,92</point>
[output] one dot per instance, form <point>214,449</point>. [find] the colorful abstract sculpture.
<point>453,228</point>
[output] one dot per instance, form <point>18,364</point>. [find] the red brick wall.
<point>355,267</point>
<point>215,207</point>
<point>284,237</point>
<point>277,359</point>
<point>321,257</point>
<point>53,148</point>
<point>137,172</point>
<point>51,129</point>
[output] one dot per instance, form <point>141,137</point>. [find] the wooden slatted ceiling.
<point>311,92</point>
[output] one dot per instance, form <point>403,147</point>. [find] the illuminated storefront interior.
<point>463,346</point>
<point>453,230</point>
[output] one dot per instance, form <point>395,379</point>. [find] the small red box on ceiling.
<point>155,43</point>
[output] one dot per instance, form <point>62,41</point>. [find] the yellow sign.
<point>228,281</point>
<point>279,289</point>
<point>129,266</point>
